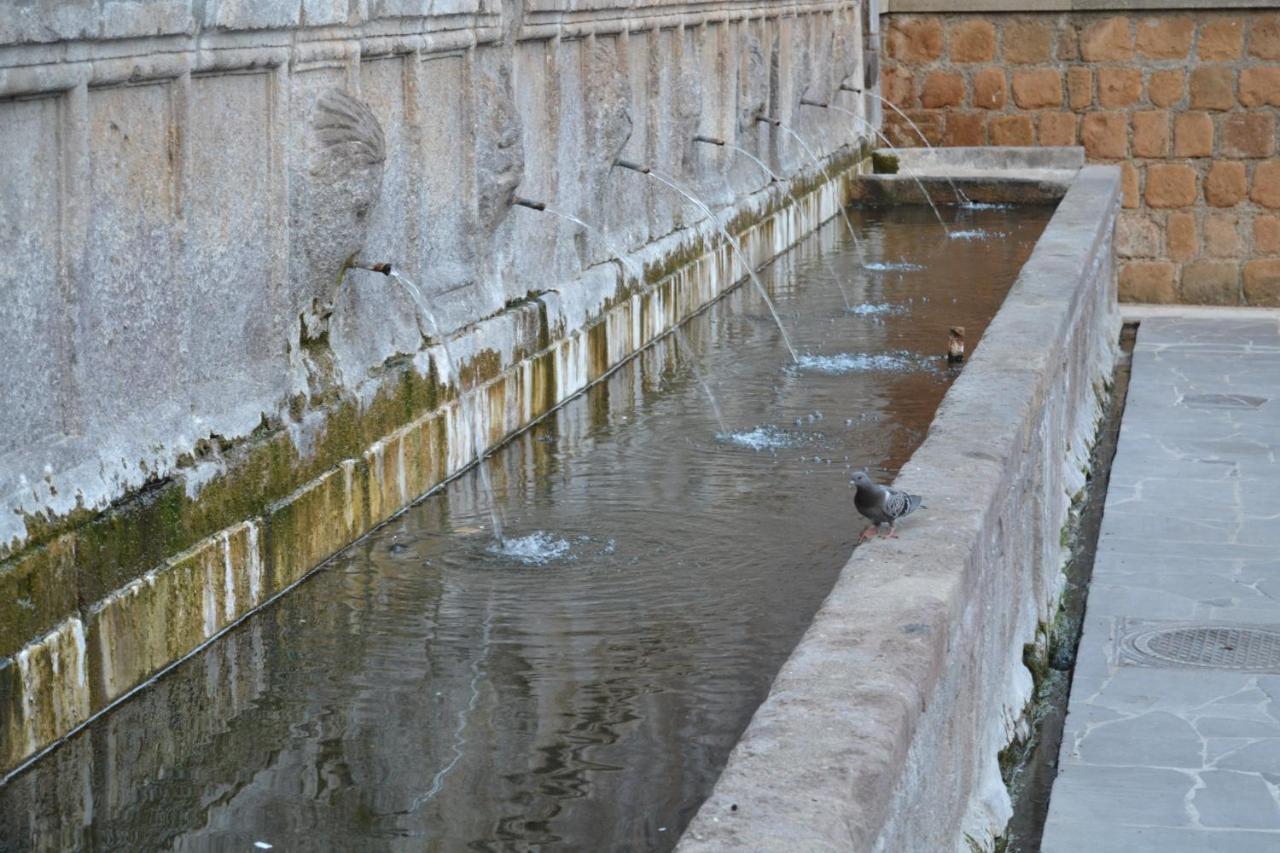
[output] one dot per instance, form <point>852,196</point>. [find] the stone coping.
<point>1028,6</point>
<point>882,730</point>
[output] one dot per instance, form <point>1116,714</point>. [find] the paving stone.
<point>1156,754</point>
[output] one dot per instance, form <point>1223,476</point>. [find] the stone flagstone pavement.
<point>1172,738</point>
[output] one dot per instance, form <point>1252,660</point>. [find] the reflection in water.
<point>581,688</point>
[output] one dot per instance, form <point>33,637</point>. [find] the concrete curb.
<point>882,731</point>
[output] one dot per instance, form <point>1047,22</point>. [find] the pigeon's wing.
<point>897,504</point>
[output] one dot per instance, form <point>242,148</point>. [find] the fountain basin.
<point>163,575</point>
<point>1009,175</point>
<point>883,729</point>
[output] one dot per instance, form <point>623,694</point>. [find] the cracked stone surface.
<point>1156,756</point>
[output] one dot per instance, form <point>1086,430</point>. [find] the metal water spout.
<point>532,205</point>
<point>808,103</point>
<point>710,140</point>
<point>385,269</point>
<point>635,167</point>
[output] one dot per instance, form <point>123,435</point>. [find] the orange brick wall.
<point>1186,102</point>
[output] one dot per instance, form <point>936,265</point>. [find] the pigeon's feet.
<point>892,534</point>
<point>867,533</point>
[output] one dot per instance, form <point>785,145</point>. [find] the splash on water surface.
<point>761,438</point>
<point>877,309</point>
<point>536,549</point>
<point>893,266</point>
<point>976,234</point>
<point>849,362</point>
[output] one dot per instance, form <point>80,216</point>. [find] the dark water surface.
<point>582,690</point>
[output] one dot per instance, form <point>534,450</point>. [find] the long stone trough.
<point>883,730</point>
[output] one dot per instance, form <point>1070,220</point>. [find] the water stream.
<point>468,419</point>
<point>741,255</point>
<point>580,686</point>
<point>795,205</point>
<point>960,197</point>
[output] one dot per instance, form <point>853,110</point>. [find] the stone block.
<point>1221,39</point>
<point>253,14</point>
<point>1165,88</point>
<point>941,89</point>
<point>929,123</point>
<point>973,40</point>
<point>1266,184</point>
<point>1192,135</point>
<point>1165,37</point>
<point>1170,185</point>
<point>319,13</point>
<point>965,129</point>
<point>38,590</point>
<point>164,615</point>
<point>1137,236</point>
<point>1056,128</point>
<point>35,321</point>
<point>1182,236</point>
<point>1079,87</point>
<point>914,39</point>
<point>1266,235</point>
<point>1037,89</point>
<point>1213,88</point>
<point>1147,281</point>
<point>1151,133</point>
<point>1248,135</point>
<point>48,20</point>
<point>1130,195</point>
<point>1105,135</point>
<point>129,18</point>
<point>1068,49</point>
<point>1262,283</point>
<point>989,89</point>
<point>1107,40</point>
<point>1222,236</point>
<point>1027,41</point>
<point>44,691</point>
<point>1011,130</point>
<point>1210,283</point>
<point>306,527</point>
<point>1264,37</point>
<point>1119,87</point>
<point>1260,86</point>
<point>1226,184</point>
<point>898,85</point>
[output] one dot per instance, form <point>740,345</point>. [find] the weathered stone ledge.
<point>75,641</point>
<point>883,729</point>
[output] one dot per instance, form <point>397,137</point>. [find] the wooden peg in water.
<point>955,345</point>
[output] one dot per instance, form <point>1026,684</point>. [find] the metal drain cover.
<point>1244,648</point>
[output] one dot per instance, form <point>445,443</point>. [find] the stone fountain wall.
<point>202,401</point>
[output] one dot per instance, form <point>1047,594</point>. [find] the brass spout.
<point>385,269</point>
<point>532,205</point>
<point>710,140</point>
<point>808,103</point>
<point>767,120</point>
<point>635,167</point>
<point>845,87</point>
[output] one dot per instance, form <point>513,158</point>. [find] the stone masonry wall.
<point>1185,101</point>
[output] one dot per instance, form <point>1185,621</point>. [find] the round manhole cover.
<point>1218,647</point>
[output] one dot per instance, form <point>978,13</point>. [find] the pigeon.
<point>881,504</point>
